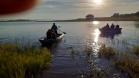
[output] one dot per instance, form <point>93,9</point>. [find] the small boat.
<point>110,31</point>
<point>48,42</point>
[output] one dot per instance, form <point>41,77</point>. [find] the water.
<point>71,55</point>
<point>78,33</point>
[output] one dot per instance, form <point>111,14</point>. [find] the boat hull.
<point>49,42</point>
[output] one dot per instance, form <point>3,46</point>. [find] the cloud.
<point>58,9</point>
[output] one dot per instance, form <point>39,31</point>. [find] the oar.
<point>61,30</point>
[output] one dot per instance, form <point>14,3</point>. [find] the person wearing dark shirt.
<point>54,27</point>
<point>51,34</point>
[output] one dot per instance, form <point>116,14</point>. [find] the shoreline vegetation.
<point>19,62</point>
<point>127,62</point>
<point>88,18</point>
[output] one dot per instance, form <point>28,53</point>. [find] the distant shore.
<point>77,20</point>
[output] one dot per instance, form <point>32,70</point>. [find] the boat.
<point>110,32</point>
<point>49,42</point>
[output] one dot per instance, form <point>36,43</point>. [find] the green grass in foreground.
<point>126,62</point>
<point>17,62</point>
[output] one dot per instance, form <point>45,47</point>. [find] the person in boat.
<point>51,34</point>
<point>106,28</point>
<point>117,27</point>
<point>112,26</point>
<point>54,28</point>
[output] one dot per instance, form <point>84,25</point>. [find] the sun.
<point>98,2</point>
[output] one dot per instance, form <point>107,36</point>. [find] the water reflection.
<point>95,43</point>
<point>96,34</point>
<point>92,50</point>
<point>95,22</point>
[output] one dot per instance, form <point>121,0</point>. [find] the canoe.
<point>48,42</point>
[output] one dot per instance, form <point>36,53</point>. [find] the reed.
<point>106,52</point>
<point>136,50</point>
<point>129,65</point>
<point>19,62</point>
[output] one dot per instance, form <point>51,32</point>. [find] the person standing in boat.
<point>54,28</point>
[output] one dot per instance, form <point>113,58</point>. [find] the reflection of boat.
<point>49,42</point>
<point>110,32</point>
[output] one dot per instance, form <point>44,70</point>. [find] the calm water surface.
<point>78,33</point>
<point>71,55</point>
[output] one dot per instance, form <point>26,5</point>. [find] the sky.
<point>70,9</point>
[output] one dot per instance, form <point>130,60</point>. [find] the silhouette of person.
<point>112,26</point>
<point>107,26</point>
<point>117,26</point>
<point>54,28</point>
<point>51,34</point>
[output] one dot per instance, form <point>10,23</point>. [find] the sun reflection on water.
<point>95,44</point>
<point>96,35</point>
<point>95,22</point>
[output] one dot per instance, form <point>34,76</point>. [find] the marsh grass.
<point>19,62</point>
<point>126,62</point>
<point>129,65</point>
<point>106,52</point>
<point>136,50</point>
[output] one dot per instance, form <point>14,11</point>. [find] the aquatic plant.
<point>136,50</point>
<point>19,62</point>
<point>129,65</point>
<point>107,52</point>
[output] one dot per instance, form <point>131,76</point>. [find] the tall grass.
<point>19,62</point>
<point>107,52</point>
<point>136,50</point>
<point>129,65</point>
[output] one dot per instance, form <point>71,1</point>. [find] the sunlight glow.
<point>96,35</point>
<point>95,44</point>
<point>98,2</point>
<point>95,22</point>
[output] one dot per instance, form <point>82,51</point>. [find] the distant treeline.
<point>89,17</point>
<point>126,15</point>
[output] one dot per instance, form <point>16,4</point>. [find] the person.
<point>112,26</point>
<point>54,28</point>
<point>107,27</point>
<point>51,34</point>
<point>48,34</point>
<point>117,27</point>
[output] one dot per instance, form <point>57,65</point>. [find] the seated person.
<point>112,26</point>
<point>51,34</point>
<point>117,27</point>
<point>48,34</point>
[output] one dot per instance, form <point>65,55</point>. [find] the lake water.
<point>78,33</point>
<point>79,37</point>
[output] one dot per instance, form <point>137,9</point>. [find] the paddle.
<point>61,30</point>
